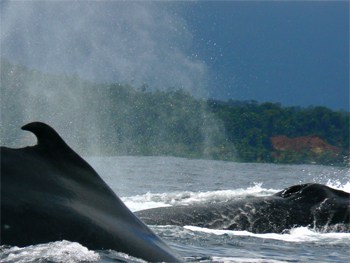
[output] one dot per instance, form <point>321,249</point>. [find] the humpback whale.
<point>49,193</point>
<point>314,205</point>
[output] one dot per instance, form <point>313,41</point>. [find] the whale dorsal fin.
<point>51,144</point>
<point>47,137</point>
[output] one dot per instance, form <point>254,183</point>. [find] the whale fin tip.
<point>46,135</point>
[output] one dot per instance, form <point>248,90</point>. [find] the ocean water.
<point>147,182</point>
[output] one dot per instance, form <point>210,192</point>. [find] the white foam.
<point>338,185</point>
<point>122,257</point>
<point>299,234</point>
<point>243,260</point>
<point>146,201</point>
<point>152,200</point>
<point>60,251</point>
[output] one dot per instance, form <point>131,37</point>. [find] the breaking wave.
<point>60,251</point>
<point>153,200</point>
<point>298,234</point>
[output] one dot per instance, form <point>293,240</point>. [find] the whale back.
<point>50,193</point>
<point>313,192</point>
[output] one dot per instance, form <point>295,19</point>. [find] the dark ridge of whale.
<point>49,193</point>
<point>314,205</point>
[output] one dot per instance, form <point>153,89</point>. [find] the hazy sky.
<point>295,53</point>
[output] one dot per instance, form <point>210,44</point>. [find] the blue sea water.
<point>145,182</point>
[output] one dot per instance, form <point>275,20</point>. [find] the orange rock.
<point>311,143</point>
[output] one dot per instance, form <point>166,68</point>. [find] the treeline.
<point>250,127</point>
<point>117,119</point>
<point>110,119</point>
<point>162,123</point>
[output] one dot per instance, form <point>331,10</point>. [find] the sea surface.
<point>146,182</point>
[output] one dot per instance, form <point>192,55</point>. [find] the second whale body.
<point>313,205</point>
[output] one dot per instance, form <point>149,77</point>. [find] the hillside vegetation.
<point>252,126</point>
<point>123,120</point>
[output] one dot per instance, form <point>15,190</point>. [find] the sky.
<point>295,53</point>
<point>292,52</point>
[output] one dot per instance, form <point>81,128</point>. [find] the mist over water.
<point>124,42</point>
<point>82,43</point>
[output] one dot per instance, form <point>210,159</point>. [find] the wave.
<point>298,234</point>
<point>153,200</point>
<point>336,184</point>
<point>247,260</point>
<point>60,251</point>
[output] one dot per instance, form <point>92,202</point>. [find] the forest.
<point>118,119</point>
<point>250,126</point>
